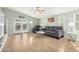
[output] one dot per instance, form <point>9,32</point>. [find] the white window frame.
<point>75,30</point>
<point>59,21</point>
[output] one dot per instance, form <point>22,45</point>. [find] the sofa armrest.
<point>60,33</point>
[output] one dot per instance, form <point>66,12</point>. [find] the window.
<point>77,22</point>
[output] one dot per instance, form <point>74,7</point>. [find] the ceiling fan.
<point>39,10</point>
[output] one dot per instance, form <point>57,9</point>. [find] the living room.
<point>54,25</point>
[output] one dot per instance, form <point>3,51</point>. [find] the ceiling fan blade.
<point>40,10</point>
<point>43,10</point>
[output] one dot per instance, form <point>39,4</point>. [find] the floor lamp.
<point>71,24</point>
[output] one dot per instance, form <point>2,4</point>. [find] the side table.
<point>72,36</point>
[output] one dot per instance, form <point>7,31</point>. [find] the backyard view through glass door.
<point>20,26</point>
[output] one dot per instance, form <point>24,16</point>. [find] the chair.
<point>36,28</point>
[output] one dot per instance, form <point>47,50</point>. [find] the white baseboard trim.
<point>5,38</point>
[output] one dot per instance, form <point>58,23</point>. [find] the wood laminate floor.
<point>30,42</point>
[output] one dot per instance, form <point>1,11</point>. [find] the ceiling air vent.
<point>21,17</point>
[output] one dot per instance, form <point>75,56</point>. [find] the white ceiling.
<point>49,10</point>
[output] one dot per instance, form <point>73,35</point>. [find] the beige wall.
<point>69,17</point>
<point>10,15</point>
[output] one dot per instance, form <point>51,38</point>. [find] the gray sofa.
<point>55,31</point>
<point>36,28</point>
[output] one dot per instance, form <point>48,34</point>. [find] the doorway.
<point>20,26</point>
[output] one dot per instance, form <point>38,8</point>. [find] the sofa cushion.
<point>51,29</point>
<point>57,27</point>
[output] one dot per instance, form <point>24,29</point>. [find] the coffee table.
<point>40,33</point>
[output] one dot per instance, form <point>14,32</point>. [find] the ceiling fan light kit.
<point>39,10</point>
